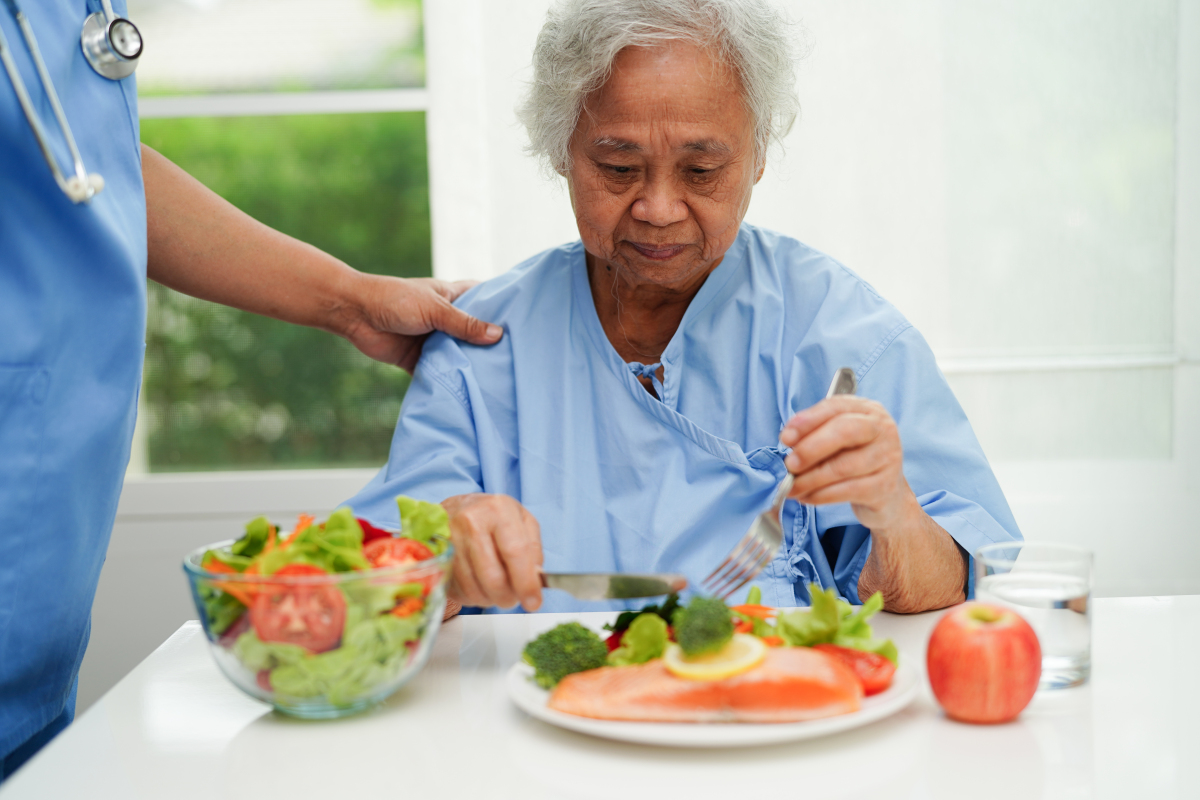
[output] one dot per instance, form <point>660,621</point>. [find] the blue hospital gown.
<point>621,480</point>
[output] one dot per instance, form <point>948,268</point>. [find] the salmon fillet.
<point>791,685</point>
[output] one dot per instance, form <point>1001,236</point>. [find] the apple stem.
<point>985,613</point>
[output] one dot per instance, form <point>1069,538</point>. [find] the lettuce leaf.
<point>258,655</point>
<point>818,625</point>
<point>428,523</point>
<point>830,620</point>
<point>258,530</point>
<point>646,638</point>
<point>335,546</point>
<point>376,599</point>
<point>221,610</point>
<point>241,553</point>
<point>372,651</point>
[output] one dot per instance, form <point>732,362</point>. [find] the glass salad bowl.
<point>316,626</point>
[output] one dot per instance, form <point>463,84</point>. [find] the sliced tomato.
<point>392,552</point>
<point>309,616</point>
<point>614,640</point>
<point>872,669</point>
<point>371,533</point>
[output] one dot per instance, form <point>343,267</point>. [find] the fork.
<point>760,544</point>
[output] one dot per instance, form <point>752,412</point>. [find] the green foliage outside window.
<point>225,389</point>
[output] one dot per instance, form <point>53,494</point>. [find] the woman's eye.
<point>618,170</point>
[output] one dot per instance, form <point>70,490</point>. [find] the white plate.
<point>532,699</point>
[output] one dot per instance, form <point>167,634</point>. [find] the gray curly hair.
<point>581,38</point>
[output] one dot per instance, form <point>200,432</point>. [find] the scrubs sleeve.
<point>943,462</point>
<point>434,453</point>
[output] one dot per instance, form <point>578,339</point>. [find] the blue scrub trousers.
<point>13,761</point>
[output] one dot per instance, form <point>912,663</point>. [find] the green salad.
<point>336,640</point>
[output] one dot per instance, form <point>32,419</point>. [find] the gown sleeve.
<point>943,462</point>
<point>434,452</point>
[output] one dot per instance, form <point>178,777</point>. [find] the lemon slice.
<point>744,652</point>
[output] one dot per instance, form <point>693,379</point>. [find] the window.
<point>312,123</point>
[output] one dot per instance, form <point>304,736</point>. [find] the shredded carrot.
<point>242,593</point>
<point>743,626</point>
<point>408,606</point>
<point>216,565</point>
<point>271,539</point>
<point>302,522</point>
<point>754,610</point>
<point>772,641</point>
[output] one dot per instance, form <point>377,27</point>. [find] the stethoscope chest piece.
<point>113,46</point>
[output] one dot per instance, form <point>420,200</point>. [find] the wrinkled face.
<point>663,163</point>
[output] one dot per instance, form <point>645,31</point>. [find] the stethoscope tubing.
<point>82,186</point>
<point>23,98</point>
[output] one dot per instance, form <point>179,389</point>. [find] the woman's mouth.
<point>658,252</point>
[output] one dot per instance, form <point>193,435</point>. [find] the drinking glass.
<point>1050,585</point>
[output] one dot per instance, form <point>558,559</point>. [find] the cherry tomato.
<point>872,669</point>
<point>309,616</point>
<point>614,640</point>
<point>392,552</point>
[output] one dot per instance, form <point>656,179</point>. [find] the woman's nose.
<point>660,204</point>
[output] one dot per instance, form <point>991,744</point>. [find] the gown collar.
<point>672,356</point>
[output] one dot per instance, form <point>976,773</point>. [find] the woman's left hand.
<point>846,449</point>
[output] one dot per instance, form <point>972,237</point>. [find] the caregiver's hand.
<point>497,552</point>
<point>388,318</point>
<point>846,449</point>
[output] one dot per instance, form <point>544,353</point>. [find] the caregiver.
<point>73,304</point>
<point>639,411</point>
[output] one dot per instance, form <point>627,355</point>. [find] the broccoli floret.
<point>703,626</point>
<point>564,650</point>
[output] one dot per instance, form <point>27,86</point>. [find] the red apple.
<point>984,663</point>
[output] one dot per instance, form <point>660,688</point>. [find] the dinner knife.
<point>613,585</point>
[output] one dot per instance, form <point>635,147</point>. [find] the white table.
<point>175,728</point>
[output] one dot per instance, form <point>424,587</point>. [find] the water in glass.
<point>1058,608</point>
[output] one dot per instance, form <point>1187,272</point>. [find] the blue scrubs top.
<point>73,305</point>
<point>621,480</point>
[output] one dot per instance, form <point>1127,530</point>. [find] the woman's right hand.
<point>497,552</point>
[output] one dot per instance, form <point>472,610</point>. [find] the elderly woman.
<point>639,412</point>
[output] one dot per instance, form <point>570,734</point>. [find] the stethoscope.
<point>112,45</point>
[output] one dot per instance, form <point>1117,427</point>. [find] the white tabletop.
<point>174,727</point>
